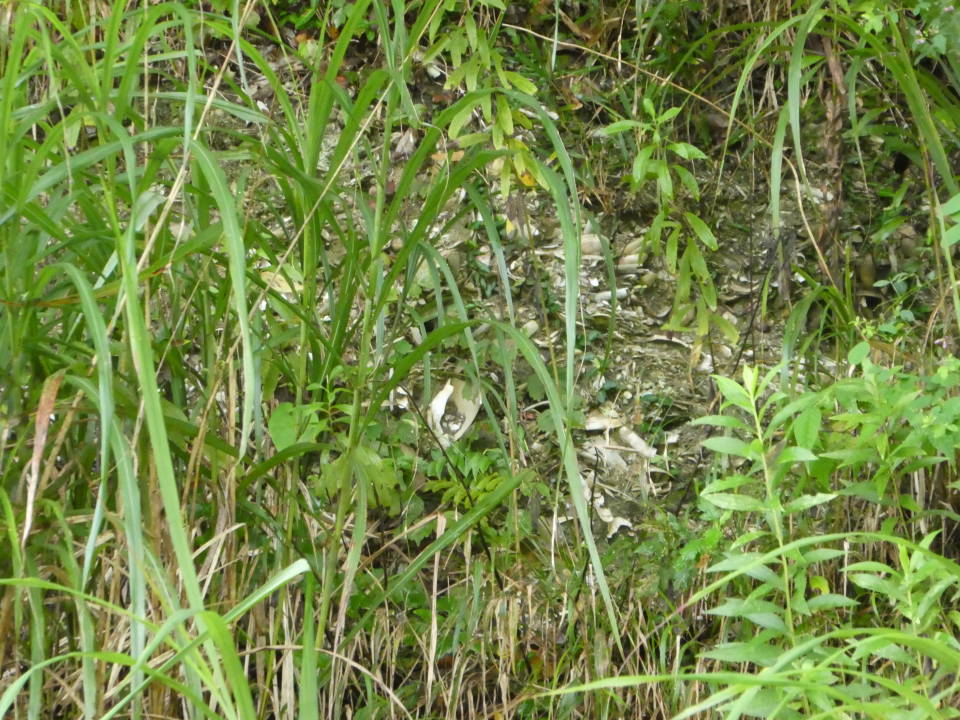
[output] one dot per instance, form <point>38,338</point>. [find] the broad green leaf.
<point>727,421</point>
<point>687,180</point>
<point>668,114</point>
<point>734,393</point>
<point>747,538</point>
<point>664,180</point>
<point>700,229</point>
<point>805,502</point>
<point>951,237</point>
<point>282,426</point>
<point>732,501</point>
<point>670,255</point>
<point>806,427</point>
<point>794,454</point>
<point>931,603</point>
<point>728,482</point>
<point>870,566</point>
<point>642,164</point>
<point>615,128</point>
<point>830,601</point>
<point>521,83</point>
<point>762,612</point>
<point>697,263</point>
<point>504,116</point>
<point>729,446</point>
<point>761,653</point>
<point>858,353</point>
<point>766,575</point>
<point>770,620</point>
<point>686,151</point>
<point>460,120</point>
<point>470,25</point>
<point>879,585</point>
<point>736,562</point>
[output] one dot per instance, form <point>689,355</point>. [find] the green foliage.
<point>796,629</point>
<point>687,236</point>
<point>933,24</point>
<point>229,277</point>
<point>656,158</point>
<point>466,38</point>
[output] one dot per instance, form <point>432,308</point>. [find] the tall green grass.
<point>226,316</point>
<point>174,258</point>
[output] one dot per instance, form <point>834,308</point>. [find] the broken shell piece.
<point>597,455</point>
<point>706,363</point>
<point>398,399</point>
<point>605,295</point>
<point>590,244</point>
<point>275,280</point>
<point>438,406</point>
<point>632,247</point>
<point>405,143</point>
<point>629,438</point>
<point>614,522</point>
<point>628,263</point>
<point>451,423</point>
<point>598,420</point>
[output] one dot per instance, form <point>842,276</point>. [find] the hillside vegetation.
<point>450,359</point>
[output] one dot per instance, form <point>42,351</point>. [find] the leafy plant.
<point>466,38</point>
<point>785,615</point>
<point>661,161</point>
